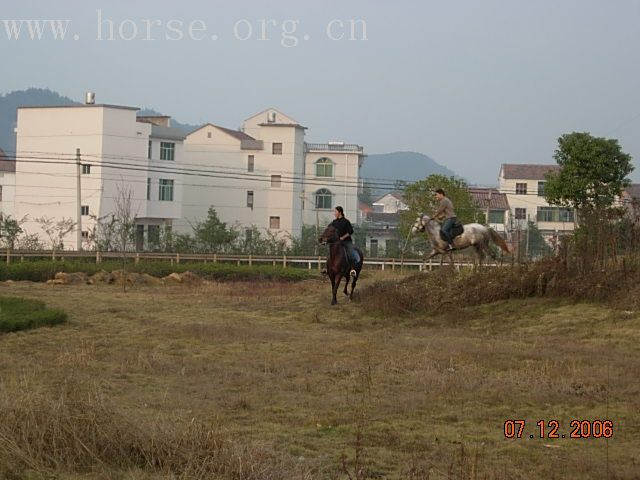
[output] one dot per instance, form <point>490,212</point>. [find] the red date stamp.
<point>518,428</point>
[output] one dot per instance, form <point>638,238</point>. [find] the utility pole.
<point>527,249</point>
<point>79,199</point>
<point>488,207</point>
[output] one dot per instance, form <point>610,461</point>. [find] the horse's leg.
<point>346,284</point>
<point>333,289</point>
<point>336,285</point>
<point>353,284</point>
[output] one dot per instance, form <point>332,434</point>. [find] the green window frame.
<point>324,199</point>
<point>324,167</point>
<point>167,151</point>
<point>165,190</point>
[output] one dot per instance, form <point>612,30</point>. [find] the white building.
<point>7,185</point>
<point>266,175</point>
<point>390,203</point>
<point>523,185</point>
<point>118,152</point>
<point>495,207</point>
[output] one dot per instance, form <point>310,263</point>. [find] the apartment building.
<point>523,185</point>
<point>7,185</point>
<point>494,205</point>
<point>118,152</point>
<point>266,175</point>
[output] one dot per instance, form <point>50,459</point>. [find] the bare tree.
<point>124,224</point>
<point>56,231</point>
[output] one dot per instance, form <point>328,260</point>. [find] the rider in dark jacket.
<point>345,230</point>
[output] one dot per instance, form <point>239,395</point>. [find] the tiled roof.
<point>489,198</point>
<point>235,133</point>
<point>526,171</point>
<point>633,190</point>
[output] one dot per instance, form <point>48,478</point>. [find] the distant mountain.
<point>46,97</point>
<point>409,166</point>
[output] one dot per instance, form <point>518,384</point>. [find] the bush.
<point>446,290</point>
<point>23,314</point>
<point>43,270</point>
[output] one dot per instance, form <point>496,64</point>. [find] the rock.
<point>173,278</point>
<point>76,278</point>
<point>187,277</point>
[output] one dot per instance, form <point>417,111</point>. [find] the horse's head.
<point>420,224</point>
<point>330,235</point>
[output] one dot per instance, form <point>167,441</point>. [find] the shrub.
<point>43,270</point>
<point>23,314</point>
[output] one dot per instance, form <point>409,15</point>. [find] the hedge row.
<point>22,314</point>
<point>43,270</point>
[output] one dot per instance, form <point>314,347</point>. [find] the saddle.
<point>457,230</point>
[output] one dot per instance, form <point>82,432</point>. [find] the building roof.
<point>6,165</point>
<point>526,171</point>
<point>489,198</point>
<point>234,133</point>
<point>633,190</point>
<point>396,195</point>
<point>388,219</point>
<point>169,133</point>
<point>82,105</point>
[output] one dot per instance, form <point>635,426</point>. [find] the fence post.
<point>250,260</point>
<point>215,258</point>
<point>137,259</point>
<point>383,263</point>
<point>393,264</point>
<point>177,258</point>
<point>8,256</point>
<point>319,262</point>
<point>284,261</point>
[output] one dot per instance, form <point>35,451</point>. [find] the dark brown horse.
<point>338,265</point>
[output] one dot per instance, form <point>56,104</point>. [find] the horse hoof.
<point>334,302</point>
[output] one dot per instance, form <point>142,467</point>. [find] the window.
<point>554,214</point>
<point>248,234</point>
<point>251,163</point>
<point>521,188</point>
<point>208,134</point>
<point>167,150</point>
<point>165,190</point>
<point>86,169</point>
<point>323,199</point>
<point>521,213</point>
<point>250,199</point>
<point>541,189</point>
<point>148,189</point>
<point>324,168</point>
<point>274,223</point>
<point>276,181</point>
<point>276,148</point>
<point>84,210</point>
<point>150,150</point>
<point>374,247</point>
<point>85,235</point>
<point>153,235</point>
<point>496,216</point>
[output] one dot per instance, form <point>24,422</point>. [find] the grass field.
<point>269,381</point>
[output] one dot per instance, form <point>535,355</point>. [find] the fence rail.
<point>309,262</point>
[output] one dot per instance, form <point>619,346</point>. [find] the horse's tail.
<point>498,240</point>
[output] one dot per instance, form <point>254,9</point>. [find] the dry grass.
<point>265,380</point>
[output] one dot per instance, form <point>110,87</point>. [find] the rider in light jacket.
<point>445,211</point>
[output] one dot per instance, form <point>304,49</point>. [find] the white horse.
<point>474,235</point>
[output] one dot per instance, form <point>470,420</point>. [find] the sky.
<point>472,84</point>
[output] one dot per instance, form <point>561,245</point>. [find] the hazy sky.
<point>472,84</point>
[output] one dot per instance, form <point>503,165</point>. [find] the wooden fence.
<point>284,260</point>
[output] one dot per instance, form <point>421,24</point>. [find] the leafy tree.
<point>306,243</point>
<point>10,230</point>
<point>420,198</point>
<point>532,243</point>
<point>56,231</point>
<point>212,234</point>
<point>593,171</point>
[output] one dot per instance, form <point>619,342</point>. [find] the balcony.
<point>334,147</point>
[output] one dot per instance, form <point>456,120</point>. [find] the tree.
<point>56,231</point>
<point>593,172</point>
<point>10,230</point>
<point>420,198</point>
<point>213,235</point>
